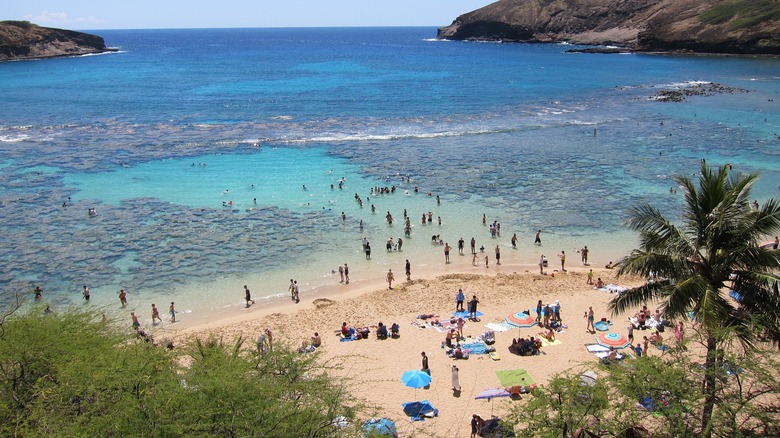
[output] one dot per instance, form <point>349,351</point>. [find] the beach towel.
<point>475,348</point>
<point>546,343</point>
<point>465,315</point>
<point>498,327</point>
<point>596,348</point>
<point>514,377</point>
<point>615,289</point>
<point>601,326</point>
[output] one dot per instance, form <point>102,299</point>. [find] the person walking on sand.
<point>172,312</point>
<point>455,379</point>
<point>459,299</point>
<point>498,255</point>
<point>590,277</point>
<point>562,255</point>
<point>341,273</point>
<point>589,315</point>
<point>541,264</point>
<point>425,367</point>
<point>487,262</point>
<point>290,288</point>
<point>408,268</point>
<point>122,297</point>
<point>390,279</point>
<point>248,296</point>
<point>538,238</point>
<point>155,314</point>
<point>346,274</point>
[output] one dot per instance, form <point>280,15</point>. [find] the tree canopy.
<point>70,374</point>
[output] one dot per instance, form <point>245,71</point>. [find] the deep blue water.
<point>531,135</point>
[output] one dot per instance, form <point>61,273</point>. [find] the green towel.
<point>514,378</point>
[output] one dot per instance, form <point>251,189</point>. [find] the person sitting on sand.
<point>549,335</point>
<point>316,340</point>
<point>609,265</point>
<point>656,338</point>
<point>347,331</point>
<point>381,331</point>
<point>599,283</point>
<point>394,330</point>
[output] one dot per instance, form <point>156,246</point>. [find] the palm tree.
<point>692,263</point>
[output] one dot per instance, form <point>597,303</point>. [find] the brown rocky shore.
<point>24,40</point>
<point>670,26</point>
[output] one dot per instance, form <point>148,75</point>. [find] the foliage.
<point>742,13</point>
<point>691,264</point>
<point>658,396</point>
<point>71,375</point>
<point>565,404</point>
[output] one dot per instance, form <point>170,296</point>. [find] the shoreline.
<point>229,315</point>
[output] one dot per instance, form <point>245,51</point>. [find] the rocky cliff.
<point>24,40</point>
<point>703,26</point>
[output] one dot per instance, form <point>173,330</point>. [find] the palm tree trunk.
<point>710,374</point>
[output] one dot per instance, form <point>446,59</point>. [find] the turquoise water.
<point>194,146</point>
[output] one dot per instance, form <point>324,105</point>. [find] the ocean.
<point>213,157</point>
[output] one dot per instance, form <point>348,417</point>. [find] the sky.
<point>168,14</point>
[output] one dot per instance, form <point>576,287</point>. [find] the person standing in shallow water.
<point>85,293</point>
<point>248,296</point>
<point>346,274</point>
<point>172,312</point>
<point>155,314</point>
<point>498,255</point>
<point>123,297</point>
<point>538,238</point>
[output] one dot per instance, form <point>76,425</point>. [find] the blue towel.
<point>475,348</point>
<point>464,314</point>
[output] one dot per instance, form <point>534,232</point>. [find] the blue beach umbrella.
<point>379,427</point>
<point>416,379</point>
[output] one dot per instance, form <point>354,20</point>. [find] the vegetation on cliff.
<point>24,40</point>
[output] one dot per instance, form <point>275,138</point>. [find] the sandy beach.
<point>371,368</point>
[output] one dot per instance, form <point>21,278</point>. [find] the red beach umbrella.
<point>612,339</point>
<point>520,319</point>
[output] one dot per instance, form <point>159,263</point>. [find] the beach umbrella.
<point>416,379</point>
<point>520,319</point>
<point>612,339</point>
<point>490,394</point>
<point>379,427</point>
